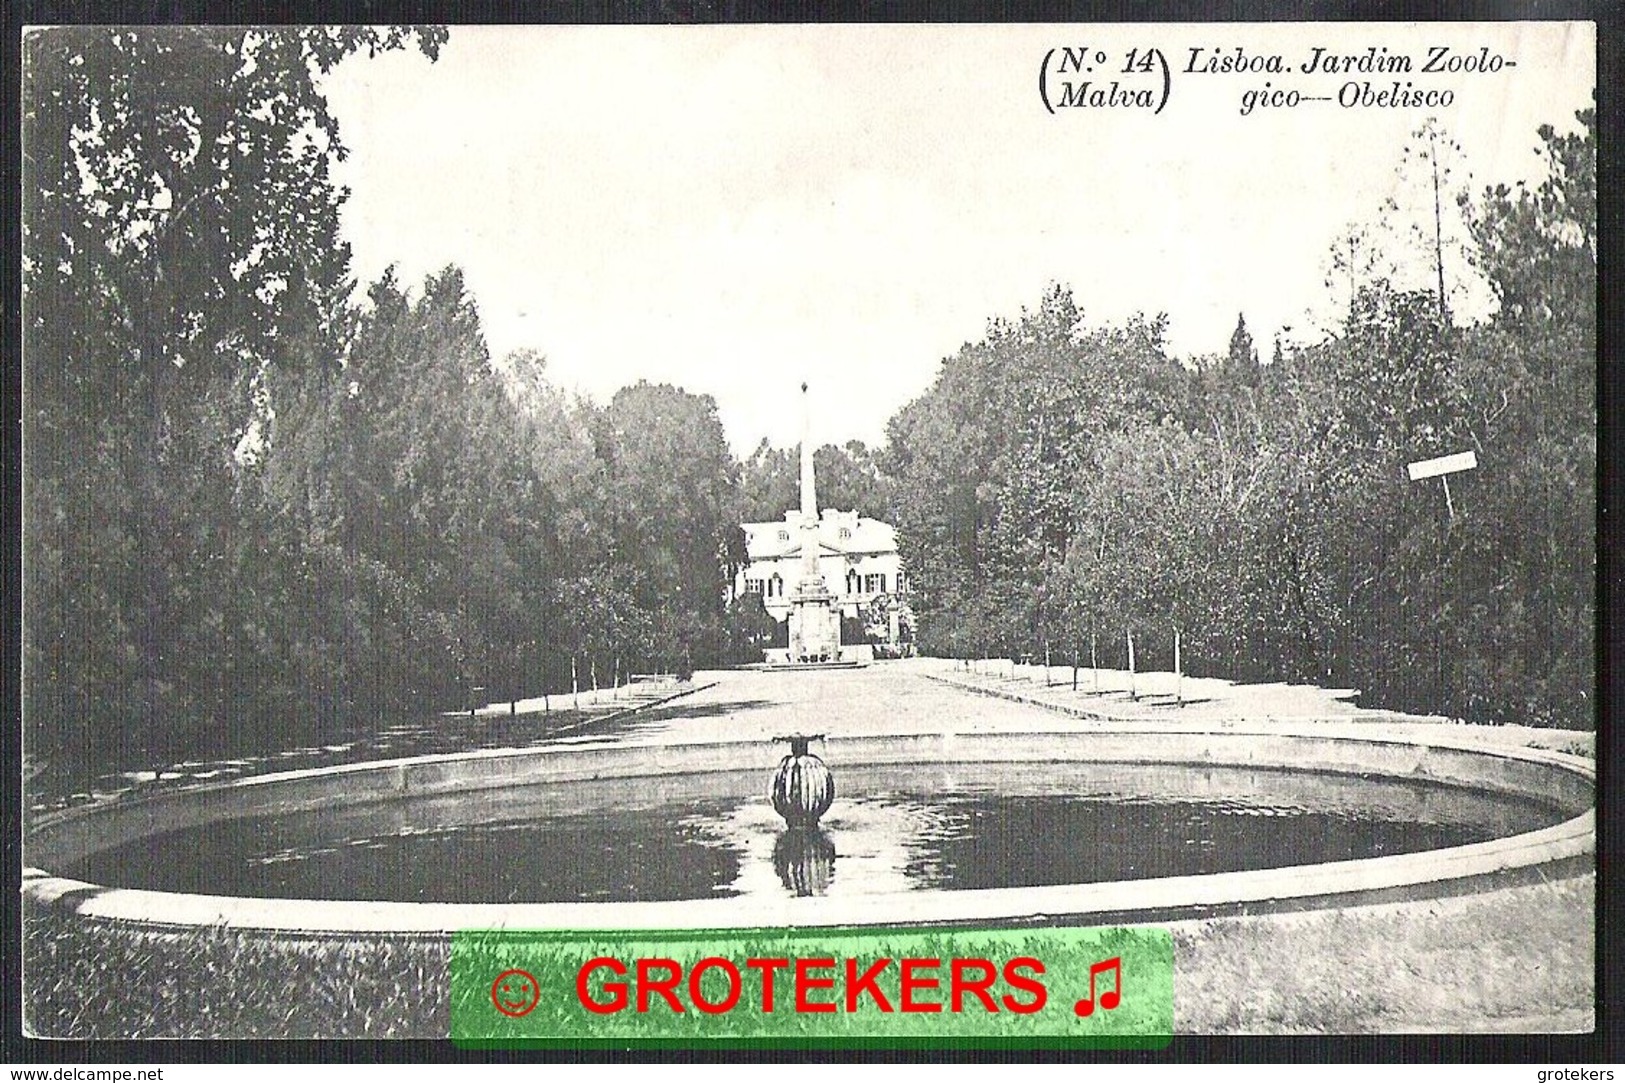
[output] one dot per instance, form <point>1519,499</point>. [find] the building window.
<point>851,582</point>
<point>784,535</point>
<point>753,586</point>
<point>875,584</point>
<point>775,586</point>
<point>846,534</point>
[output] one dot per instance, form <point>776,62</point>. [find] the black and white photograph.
<point>924,477</point>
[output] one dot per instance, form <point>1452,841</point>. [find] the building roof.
<point>863,536</point>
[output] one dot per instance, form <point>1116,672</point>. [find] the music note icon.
<point>1110,999</point>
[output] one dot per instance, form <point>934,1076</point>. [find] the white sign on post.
<point>1445,464</point>
<point>1441,468</point>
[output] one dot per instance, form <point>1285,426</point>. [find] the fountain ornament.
<point>803,788</point>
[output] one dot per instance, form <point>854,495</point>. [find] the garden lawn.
<point>1513,960</point>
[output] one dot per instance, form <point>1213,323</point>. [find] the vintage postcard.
<point>960,536</point>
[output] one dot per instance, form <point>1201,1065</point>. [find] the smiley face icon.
<point>516,992</point>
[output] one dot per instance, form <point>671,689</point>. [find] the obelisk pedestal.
<point>815,627</point>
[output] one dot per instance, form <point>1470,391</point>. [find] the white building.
<point>856,556</point>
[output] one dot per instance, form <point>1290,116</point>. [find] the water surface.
<point>951,827</point>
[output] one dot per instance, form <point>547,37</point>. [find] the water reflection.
<point>880,838</point>
<point>804,858</point>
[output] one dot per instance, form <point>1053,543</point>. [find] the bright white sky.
<point>736,209</point>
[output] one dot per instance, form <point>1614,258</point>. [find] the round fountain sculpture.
<point>803,788</point>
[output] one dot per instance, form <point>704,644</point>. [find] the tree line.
<point>1070,490</point>
<point>257,509</point>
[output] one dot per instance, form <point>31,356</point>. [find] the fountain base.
<point>409,800</point>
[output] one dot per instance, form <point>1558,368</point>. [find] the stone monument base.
<point>852,657</point>
<point>815,629</point>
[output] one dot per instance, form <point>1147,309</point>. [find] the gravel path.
<point>927,695</point>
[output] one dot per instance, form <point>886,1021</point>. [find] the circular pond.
<point>926,828</point>
<point>952,827</point>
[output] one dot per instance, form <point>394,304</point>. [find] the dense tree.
<point>989,464</point>
<point>750,629</point>
<point>1525,389</point>
<point>1058,483</point>
<point>180,236</point>
<point>258,510</point>
<point>674,512</point>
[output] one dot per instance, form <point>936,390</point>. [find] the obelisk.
<point>815,622</point>
<point>811,581</point>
